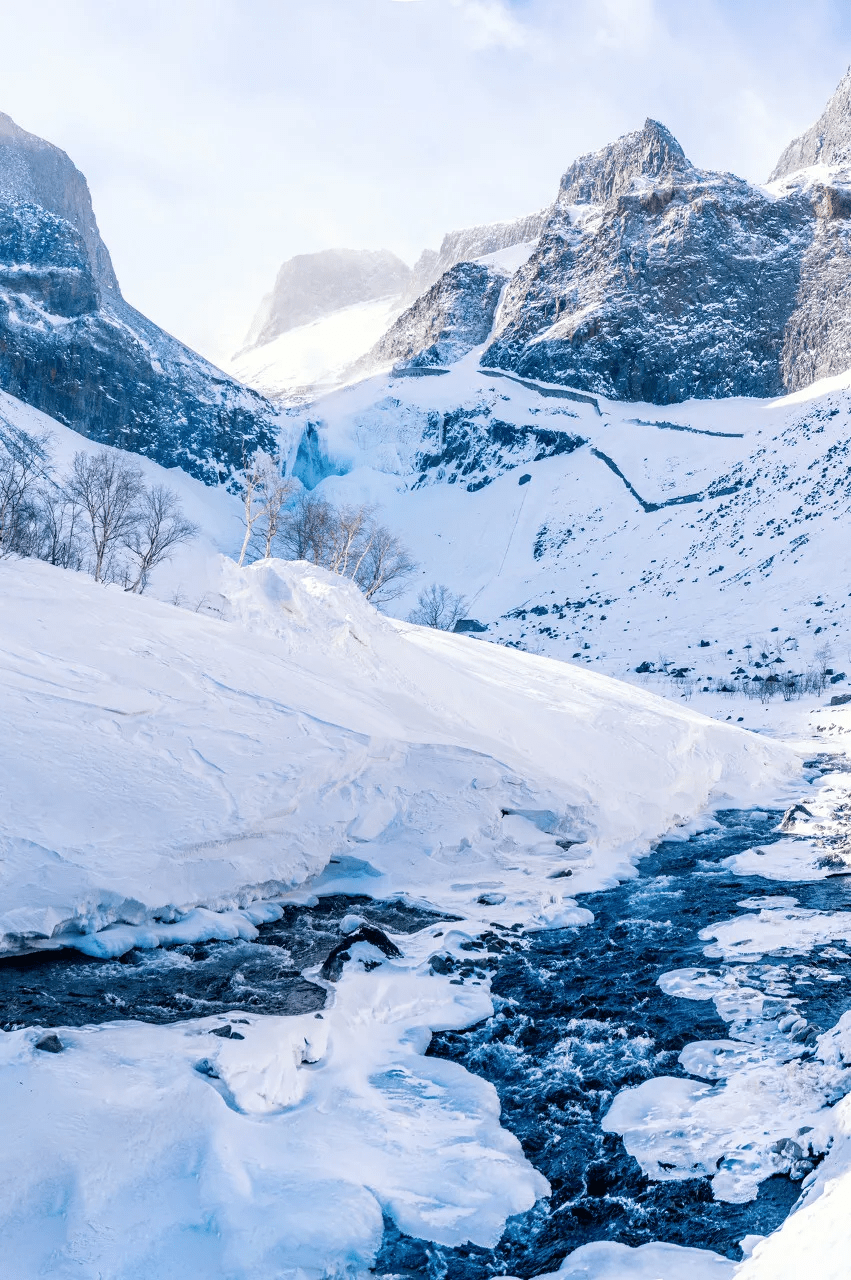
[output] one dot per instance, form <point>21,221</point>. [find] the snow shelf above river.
<point>156,760</point>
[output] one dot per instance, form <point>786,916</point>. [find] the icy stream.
<point>579,1016</point>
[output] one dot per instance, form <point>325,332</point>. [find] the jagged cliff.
<point>656,280</point>
<point>827,142</point>
<point>71,346</point>
<point>471,243</point>
<point>453,316</point>
<point>653,279</point>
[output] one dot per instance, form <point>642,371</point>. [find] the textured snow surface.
<point>194,761</point>
<point>606,1260</point>
<point>167,1151</point>
<point>316,353</point>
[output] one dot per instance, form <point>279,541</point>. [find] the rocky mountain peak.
<point>33,171</point>
<point>828,141</point>
<point>650,153</point>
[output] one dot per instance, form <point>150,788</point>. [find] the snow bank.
<point>172,1152</point>
<point>190,761</point>
<point>606,1260</point>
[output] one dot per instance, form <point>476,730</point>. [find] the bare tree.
<point>437,607</point>
<point>60,528</point>
<point>277,489</point>
<point>384,566</point>
<point>307,529</point>
<point>23,465</point>
<point>265,489</point>
<point>159,527</point>
<point>109,491</point>
<point>348,541</point>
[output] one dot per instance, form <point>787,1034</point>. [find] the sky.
<point>221,137</point>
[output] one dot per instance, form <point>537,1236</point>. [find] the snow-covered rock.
<point>449,320</point>
<point>113,375</point>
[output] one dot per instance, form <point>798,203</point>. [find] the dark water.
<point>578,1017</point>
<point>51,989</point>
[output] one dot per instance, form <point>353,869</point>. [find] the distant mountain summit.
<point>319,324</point>
<point>313,285</point>
<point>827,142</point>
<point>72,347</point>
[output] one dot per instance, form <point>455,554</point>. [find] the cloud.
<point>491,25</point>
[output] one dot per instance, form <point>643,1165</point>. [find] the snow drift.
<point>193,762</point>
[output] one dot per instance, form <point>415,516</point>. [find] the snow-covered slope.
<point>316,355</point>
<point>611,533</point>
<point>196,761</point>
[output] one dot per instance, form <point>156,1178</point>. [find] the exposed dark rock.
<point>467,626</point>
<point>72,347</point>
<point>227,1033</point>
<point>333,965</point>
<point>453,316</point>
<point>469,446</point>
<point>840,699</point>
<point>49,1044</point>
<point>655,280</point>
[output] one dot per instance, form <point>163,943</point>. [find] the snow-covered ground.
<point>196,761</point>
<point>696,536</point>
<point>315,354</point>
<point>179,771</point>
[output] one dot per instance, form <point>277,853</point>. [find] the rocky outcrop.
<point>313,285</point>
<point>72,347</point>
<point>453,316</point>
<point>35,172</point>
<point>655,280</point>
<point>472,243</point>
<point>827,142</point>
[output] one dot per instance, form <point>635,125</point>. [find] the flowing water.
<point>578,1016</point>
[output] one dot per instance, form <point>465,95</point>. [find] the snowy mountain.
<point>71,346</point>
<point>827,142</point>
<point>322,322</point>
<point>313,285</point>
<point>335,945</point>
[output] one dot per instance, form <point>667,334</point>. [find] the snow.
<point>168,1151</point>
<point>789,930</point>
<point>196,762</point>
<point>318,353</point>
<point>607,1260</point>
<point>748,555</point>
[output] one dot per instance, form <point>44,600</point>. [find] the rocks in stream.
<point>50,1044</point>
<point>334,962</point>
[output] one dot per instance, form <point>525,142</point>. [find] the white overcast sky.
<point>220,137</point>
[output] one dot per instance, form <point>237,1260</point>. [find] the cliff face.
<point>471,243</point>
<point>453,316</point>
<point>35,172</point>
<point>827,142</point>
<point>655,280</point>
<point>71,346</point>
